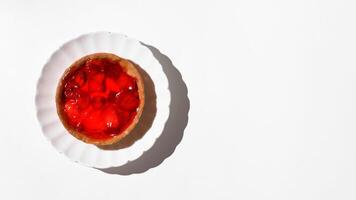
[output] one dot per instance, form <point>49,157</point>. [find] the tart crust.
<point>127,66</point>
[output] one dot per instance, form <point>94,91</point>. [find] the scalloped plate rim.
<point>96,164</point>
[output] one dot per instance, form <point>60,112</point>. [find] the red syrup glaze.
<point>99,99</point>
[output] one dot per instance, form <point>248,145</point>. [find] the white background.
<point>272,93</point>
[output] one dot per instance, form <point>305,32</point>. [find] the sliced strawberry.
<point>94,122</point>
<point>96,83</point>
<point>112,85</point>
<point>110,118</point>
<point>127,100</point>
<point>126,82</point>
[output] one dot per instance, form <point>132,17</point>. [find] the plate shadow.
<point>174,128</point>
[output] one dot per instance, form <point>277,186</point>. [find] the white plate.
<point>54,131</point>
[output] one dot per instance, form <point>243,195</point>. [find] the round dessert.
<point>100,98</point>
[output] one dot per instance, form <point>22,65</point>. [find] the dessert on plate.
<point>100,98</point>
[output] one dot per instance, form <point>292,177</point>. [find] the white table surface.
<point>271,87</point>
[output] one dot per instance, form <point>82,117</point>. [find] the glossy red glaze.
<point>99,99</point>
